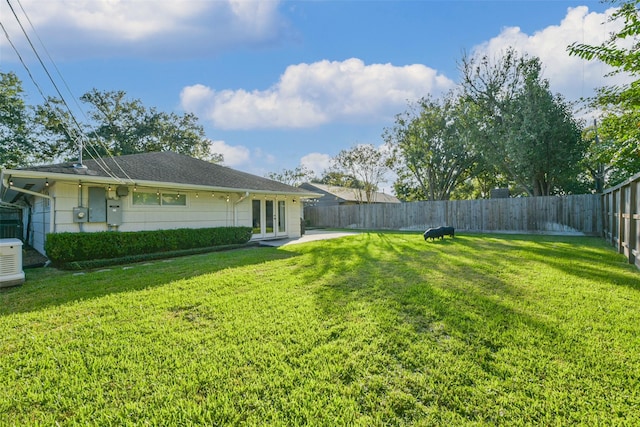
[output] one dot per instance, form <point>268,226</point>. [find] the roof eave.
<point>91,179</point>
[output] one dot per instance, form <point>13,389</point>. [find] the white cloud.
<point>234,155</point>
<point>316,162</point>
<point>148,28</point>
<point>309,95</point>
<point>569,75</point>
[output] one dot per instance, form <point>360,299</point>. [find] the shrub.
<point>65,248</point>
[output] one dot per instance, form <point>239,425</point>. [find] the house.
<point>148,191</point>
<point>333,195</point>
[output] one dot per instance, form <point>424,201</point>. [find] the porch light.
<point>79,184</point>
<point>46,182</point>
<point>10,182</point>
<point>197,195</point>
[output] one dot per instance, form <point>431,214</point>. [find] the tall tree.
<point>367,164</point>
<point>543,142</point>
<point>432,147</point>
<point>339,179</point>
<point>121,126</point>
<point>620,104</point>
<point>16,144</point>
<point>295,177</point>
<point>528,134</point>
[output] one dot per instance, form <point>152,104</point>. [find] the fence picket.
<point>621,210</point>
<point>580,214</point>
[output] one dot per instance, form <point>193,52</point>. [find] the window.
<point>159,199</point>
<point>169,199</point>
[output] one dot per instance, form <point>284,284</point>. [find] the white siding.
<point>201,211</point>
<point>294,214</point>
<point>40,215</point>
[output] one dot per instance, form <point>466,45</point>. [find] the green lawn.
<point>373,329</point>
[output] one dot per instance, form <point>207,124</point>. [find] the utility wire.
<point>39,88</point>
<point>65,84</point>
<point>99,161</point>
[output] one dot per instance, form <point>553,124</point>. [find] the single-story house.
<point>148,191</point>
<point>333,195</point>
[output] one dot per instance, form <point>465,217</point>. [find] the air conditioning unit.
<point>11,273</point>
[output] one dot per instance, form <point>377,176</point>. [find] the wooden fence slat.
<point>614,215</point>
<point>580,214</point>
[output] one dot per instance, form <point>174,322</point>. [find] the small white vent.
<point>8,264</point>
<point>11,273</point>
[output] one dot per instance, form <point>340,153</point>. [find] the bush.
<point>65,248</point>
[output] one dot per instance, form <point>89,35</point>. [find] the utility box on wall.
<point>80,214</point>
<point>114,212</point>
<point>97,198</point>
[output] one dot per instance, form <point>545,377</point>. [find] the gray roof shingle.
<point>170,167</point>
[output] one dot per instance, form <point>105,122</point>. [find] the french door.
<point>269,218</point>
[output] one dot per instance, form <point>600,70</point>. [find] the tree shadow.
<point>48,287</point>
<point>447,295</point>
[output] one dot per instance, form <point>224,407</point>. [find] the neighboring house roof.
<point>345,194</point>
<point>161,169</point>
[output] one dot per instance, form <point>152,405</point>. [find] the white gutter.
<point>90,179</point>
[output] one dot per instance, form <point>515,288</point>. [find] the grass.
<point>373,329</point>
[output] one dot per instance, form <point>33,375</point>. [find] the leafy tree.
<point>119,126</point>
<point>366,164</point>
<point>432,147</point>
<point>16,143</point>
<point>339,179</point>
<point>64,134</point>
<point>620,104</point>
<point>295,177</point>
<point>528,134</point>
<point>543,142</point>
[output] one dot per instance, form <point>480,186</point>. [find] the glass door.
<point>256,217</point>
<point>268,218</point>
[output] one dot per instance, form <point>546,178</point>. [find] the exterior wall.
<point>40,222</point>
<point>202,210</point>
<point>295,215</point>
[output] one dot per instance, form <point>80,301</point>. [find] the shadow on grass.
<point>459,295</point>
<point>587,264</point>
<point>47,287</point>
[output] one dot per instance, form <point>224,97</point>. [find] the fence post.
<point>620,217</point>
<point>632,240</point>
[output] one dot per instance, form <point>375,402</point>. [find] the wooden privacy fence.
<point>580,214</point>
<point>622,218</point>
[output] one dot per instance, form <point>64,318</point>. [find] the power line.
<point>34,81</point>
<point>99,161</point>
<point>72,97</point>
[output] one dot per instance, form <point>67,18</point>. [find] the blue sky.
<point>277,84</point>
